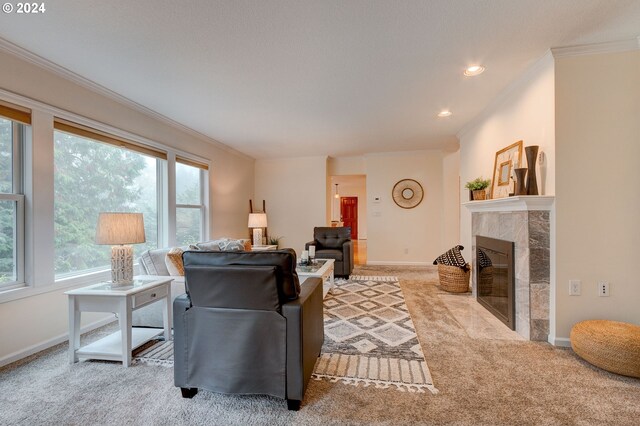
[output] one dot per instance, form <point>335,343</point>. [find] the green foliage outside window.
<point>7,221</point>
<point>92,177</point>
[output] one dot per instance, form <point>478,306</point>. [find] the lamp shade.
<point>257,220</point>
<point>120,228</point>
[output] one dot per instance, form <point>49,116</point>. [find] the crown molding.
<point>506,94</point>
<point>595,48</point>
<point>67,74</point>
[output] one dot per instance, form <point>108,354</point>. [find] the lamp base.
<point>257,236</point>
<point>122,265</point>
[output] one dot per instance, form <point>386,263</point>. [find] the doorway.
<point>349,214</point>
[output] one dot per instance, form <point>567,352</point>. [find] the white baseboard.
<point>396,263</point>
<point>15,356</point>
<point>562,342</point>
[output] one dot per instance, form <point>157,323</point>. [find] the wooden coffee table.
<point>323,269</point>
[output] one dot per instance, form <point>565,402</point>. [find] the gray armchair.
<point>334,243</point>
<point>246,326</point>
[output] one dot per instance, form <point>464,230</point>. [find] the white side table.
<point>122,300</point>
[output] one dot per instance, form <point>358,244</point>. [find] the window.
<point>13,122</point>
<point>97,173</point>
<point>190,208</point>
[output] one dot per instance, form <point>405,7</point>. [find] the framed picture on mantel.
<point>507,159</point>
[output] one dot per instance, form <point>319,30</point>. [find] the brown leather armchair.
<point>246,326</point>
<point>334,243</point>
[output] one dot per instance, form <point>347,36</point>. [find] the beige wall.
<point>410,236</point>
<point>597,175</point>
<point>450,230</point>
<point>396,235</point>
<point>295,193</point>
<point>33,321</point>
<point>525,111</point>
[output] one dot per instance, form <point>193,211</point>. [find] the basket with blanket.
<point>453,271</point>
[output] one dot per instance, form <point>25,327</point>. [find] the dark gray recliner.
<point>246,326</point>
<point>334,243</point>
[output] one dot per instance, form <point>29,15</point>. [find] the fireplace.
<point>495,278</point>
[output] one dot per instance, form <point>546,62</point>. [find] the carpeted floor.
<point>481,381</point>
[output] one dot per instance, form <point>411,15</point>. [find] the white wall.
<point>525,111</point>
<point>33,321</point>
<point>597,175</point>
<point>404,236</point>
<point>295,191</point>
<point>450,230</point>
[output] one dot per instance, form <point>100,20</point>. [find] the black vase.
<point>532,183</point>
<point>521,188</point>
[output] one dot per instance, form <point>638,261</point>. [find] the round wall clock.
<point>407,193</point>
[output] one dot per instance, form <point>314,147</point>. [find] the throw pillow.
<point>174,262</point>
<point>452,257</point>
<point>247,245</point>
<point>231,245</point>
<point>209,246</point>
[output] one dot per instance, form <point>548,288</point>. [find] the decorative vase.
<point>521,188</point>
<point>480,194</point>
<point>532,183</point>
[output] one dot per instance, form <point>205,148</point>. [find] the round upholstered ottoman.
<point>611,345</point>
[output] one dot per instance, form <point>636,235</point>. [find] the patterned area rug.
<point>369,340</point>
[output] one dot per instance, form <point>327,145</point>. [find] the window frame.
<point>17,195</point>
<point>36,225</point>
<point>101,137</point>
<point>203,177</point>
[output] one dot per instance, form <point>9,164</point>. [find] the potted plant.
<point>275,241</point>
<point>479,188</point>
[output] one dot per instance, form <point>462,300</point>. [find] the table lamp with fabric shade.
<point>257,221</point>
<point>120,230</point>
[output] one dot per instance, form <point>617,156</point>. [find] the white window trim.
<point>204,225</point>
<point>16,195</point>
<point>39,283</point>
<point>18,238</point>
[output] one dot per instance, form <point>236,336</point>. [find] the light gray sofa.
<point>152,262</point>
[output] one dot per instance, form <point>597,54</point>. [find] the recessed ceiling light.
<point>474,70</point>
<point>444,113</point>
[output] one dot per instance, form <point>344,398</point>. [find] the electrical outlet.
<point>575,287</point>
<point>603,289</point>
<point>406,251</point>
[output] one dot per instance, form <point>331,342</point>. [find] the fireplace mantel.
<point>512,204</point>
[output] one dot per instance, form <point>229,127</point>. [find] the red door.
<point>349,214</point>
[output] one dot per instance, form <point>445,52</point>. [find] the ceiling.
<point>285,78</point>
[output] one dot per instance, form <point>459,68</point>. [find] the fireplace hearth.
<point>495,278</point>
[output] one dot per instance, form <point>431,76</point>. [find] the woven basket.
<point>480,194</point>
<point>611,345</point>
<point>453,279</point>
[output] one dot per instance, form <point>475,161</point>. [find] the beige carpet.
<point>481,381</point>
<point>369,338</point>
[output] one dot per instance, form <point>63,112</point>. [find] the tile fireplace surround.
<point>525,221</point>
